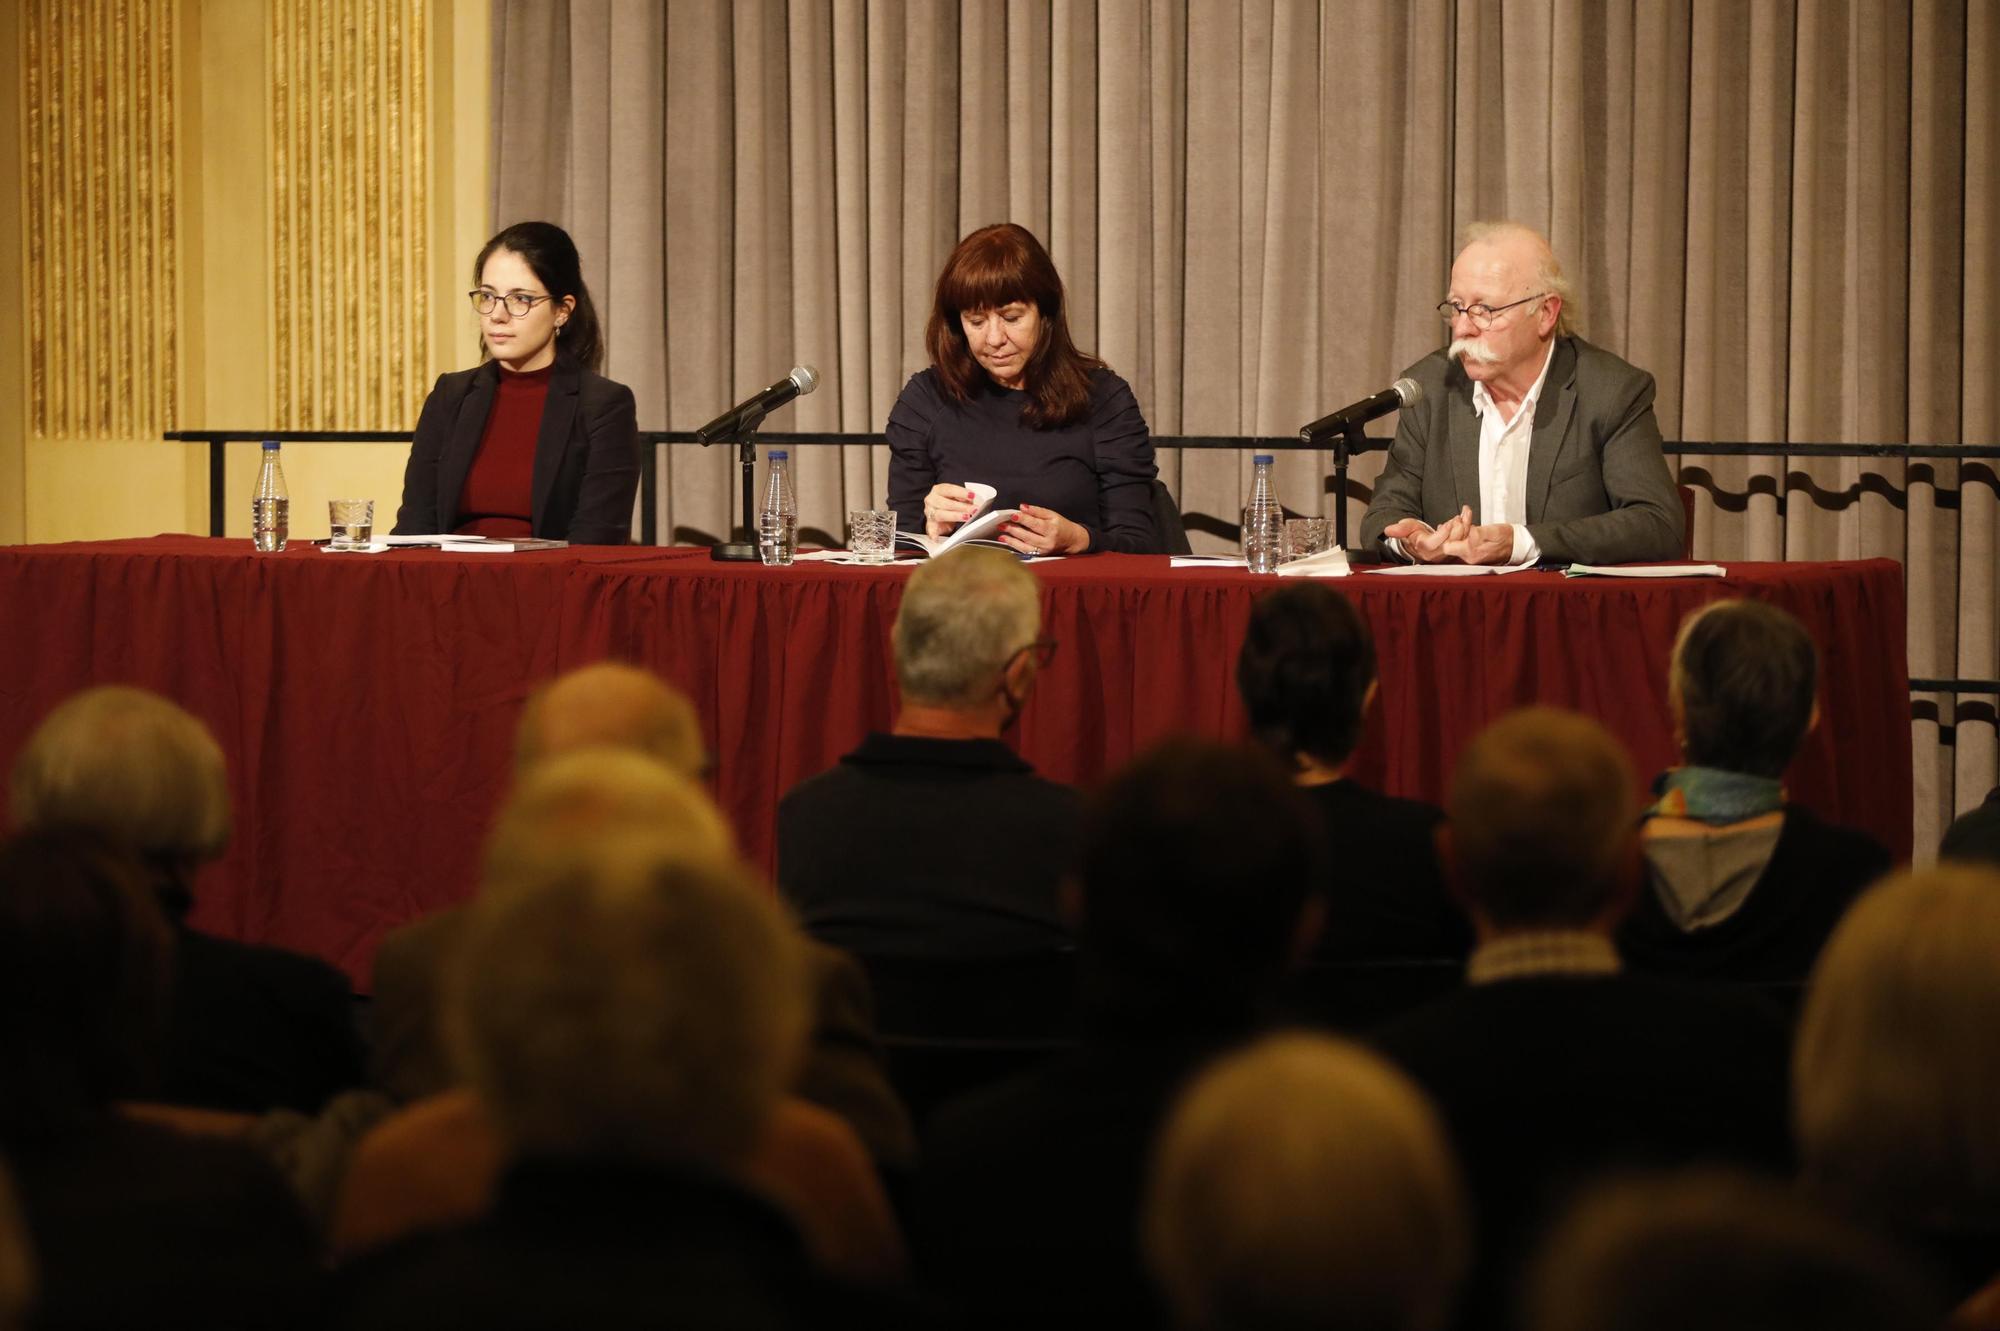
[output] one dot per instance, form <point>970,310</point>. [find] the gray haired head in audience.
<point>639,1003</point>
<point>1896,1068</point>
<point>966,620</point>
<point>1306,1183</point>
<point>1723,1252</point>
<point>131,767</point>
<point>1544,831</point>
<point>1743,685</point>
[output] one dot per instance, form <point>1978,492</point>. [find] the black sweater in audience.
<point>1387,899</point>
<point>928,848</point>
<point>256,1028</point>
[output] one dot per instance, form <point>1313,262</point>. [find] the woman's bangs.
<point>986,279</point>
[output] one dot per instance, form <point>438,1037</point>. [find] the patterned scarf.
<point>1713,796</point>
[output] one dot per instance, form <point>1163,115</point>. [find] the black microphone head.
<point>1409,390</point>
<point>806,377</point>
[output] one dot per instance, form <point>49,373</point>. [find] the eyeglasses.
<point>1481,314</point>
<point>1044,650</point>
<point>518,302</point>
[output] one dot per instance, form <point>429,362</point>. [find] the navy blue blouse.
<point>1097,471</point>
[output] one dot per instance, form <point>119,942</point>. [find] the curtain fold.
<point>1788,212</point>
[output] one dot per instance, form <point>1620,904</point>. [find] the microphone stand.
<point>744,551</point>
<point>1354,439</point>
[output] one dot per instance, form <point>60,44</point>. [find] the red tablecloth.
<point>367,703</point>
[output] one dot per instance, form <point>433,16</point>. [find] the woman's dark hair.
<point>84,962</point>
<point>1304,672</point>
<point>547,249</point>
<point>995,266</point>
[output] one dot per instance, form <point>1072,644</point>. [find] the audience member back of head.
<point>1551,1064</point>
<point>1307,675</point>
<point>629,1022</point>
<point>1741,884</point>
<point>1895,1096</point>
<point>1306,1183</point>
<point>1195,896</point>
<point>1722,1252</point>
<point>249,1028</point>
<point>132,1224</point>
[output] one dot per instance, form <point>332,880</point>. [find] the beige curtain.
<point>1787,210</point>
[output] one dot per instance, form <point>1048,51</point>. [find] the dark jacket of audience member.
<point>1307,675</point>
<point>1551,1065</point>
<point>1975,835</point>
<point>1813,875</point>
<point>253,1028</point>
<point>1194,902</point>
<point>1741,885</point>
<point>132,1224</point>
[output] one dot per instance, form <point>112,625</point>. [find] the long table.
<point>367,703</point>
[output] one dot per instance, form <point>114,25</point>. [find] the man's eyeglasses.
<point>518,302</point>
<point>1481,314</point>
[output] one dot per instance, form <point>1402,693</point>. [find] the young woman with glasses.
<point>533,441</point>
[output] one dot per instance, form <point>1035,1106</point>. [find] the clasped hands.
<point>1037,531</point>
<point>1459,540</point>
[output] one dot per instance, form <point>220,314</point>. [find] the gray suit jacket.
<point>1599,491</point>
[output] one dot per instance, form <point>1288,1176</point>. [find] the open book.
<point>979,529</point>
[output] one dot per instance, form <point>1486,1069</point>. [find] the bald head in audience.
<point>611,704</point>
<point>1306,1183</point>
<point>1543,824</point>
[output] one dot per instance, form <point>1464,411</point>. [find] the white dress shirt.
<point>1503,464</point>
<point>1503,461</point>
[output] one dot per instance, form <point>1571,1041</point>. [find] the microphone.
<point>1404,393</point>
<point>749,413</point>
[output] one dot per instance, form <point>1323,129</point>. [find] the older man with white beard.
<point>1530,443</point>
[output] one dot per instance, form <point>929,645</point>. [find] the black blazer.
<point>586,457</point>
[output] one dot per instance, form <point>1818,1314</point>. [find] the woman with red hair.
<point>1009,401</point>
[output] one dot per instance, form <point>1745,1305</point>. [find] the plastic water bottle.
<point>778,519</point>
<point>1263,521</point>
<point>271,506</point>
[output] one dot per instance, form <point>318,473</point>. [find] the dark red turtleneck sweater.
<point>499,494</point>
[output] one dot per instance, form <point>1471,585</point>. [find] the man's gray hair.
<point>129,766</point>
<point>1548,274</point>
<point>964,615</point>
<point>640,1003</point>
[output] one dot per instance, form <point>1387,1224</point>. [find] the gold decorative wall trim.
<point>350,280</point>
<point>99,167</point>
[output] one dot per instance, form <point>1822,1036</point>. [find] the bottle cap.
<point>1262,458</point>
<point>270,445</point>
<point>777,455</point>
